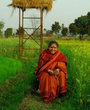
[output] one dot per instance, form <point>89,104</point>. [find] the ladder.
<point>23,32</point>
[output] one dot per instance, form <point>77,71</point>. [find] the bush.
<point>8,32</point>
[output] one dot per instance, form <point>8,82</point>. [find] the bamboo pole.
<point>19,34</point>
<point>22,30</point>
<point>41,37</point>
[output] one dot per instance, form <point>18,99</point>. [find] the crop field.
<point>17,77</point>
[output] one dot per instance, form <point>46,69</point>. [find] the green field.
<point>17,77</point>
<point>8,68</point>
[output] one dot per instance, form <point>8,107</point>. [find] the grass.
<point>78,70</point>
<point>77,54</point>
<point>9,47</point>
<point>35,103</point>
<point>8,68</point>
<point>12,92</point>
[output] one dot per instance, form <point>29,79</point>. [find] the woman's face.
<point>53,48</point>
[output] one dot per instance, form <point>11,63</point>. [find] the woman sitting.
<point>51,72</point>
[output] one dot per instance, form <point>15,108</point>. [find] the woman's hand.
<point>50,71</point>
<point>56,72</point>
<point>53,72</point>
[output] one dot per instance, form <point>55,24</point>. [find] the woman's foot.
<point>38,91</point>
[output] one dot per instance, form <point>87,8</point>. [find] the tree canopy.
<point>56,27</point>
<point>64,31</point>
<point>81,25</point>
<point>1,27</point>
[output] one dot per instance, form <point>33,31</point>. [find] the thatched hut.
<point>25,4</point>
<point>29,4</point>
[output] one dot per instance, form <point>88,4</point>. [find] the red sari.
<point>50,86</point>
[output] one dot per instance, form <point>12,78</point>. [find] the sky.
<point>63,11</point>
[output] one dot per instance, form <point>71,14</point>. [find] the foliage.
<point>77,54</point>
<point>12,92</point>
<point>9,47</point>
<point>17,31</point>
<point>88,15</point>
<point>81,25</point>
<point>9,32</point>
<point>82,22</point>
<point>1,27</point>
<point>64,31</point>
<point>88,29</point>
<point>73,29</point>
<point>56,27</point>
<point>8,68</point>
<point>48,32</point>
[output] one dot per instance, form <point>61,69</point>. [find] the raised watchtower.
<point>22,5</point>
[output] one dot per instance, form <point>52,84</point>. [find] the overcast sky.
<point>63,11</point>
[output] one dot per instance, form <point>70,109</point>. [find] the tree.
<point>88,30</point>
<point>64,31</point>
<point>17,32</point>
<point>82,22</point>
<point>81,25</point>
<point>1,27</point>
<point>73,29</point>
<point>48,32</point>
<point>9,32</point>
<point>88,15</point>
<point>56,27</point>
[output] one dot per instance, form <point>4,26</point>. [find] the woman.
<point>51,72</point>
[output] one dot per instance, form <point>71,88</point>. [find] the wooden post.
<point>22,30</point>
<point>41,36</point>
<point>19,34</point>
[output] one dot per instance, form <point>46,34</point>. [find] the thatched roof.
<point>44,4</point>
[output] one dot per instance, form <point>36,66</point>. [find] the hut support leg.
<point>41,36</point>
<point>22,30</point>
<point>19,34</point>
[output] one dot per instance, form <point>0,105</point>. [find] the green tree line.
<point>80,26</point>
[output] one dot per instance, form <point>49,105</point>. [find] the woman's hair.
<point>52,42</point>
